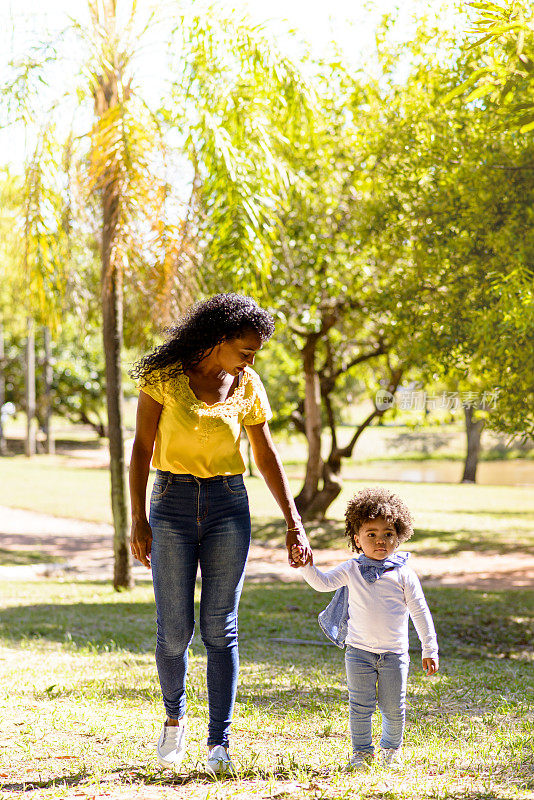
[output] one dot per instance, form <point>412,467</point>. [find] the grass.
<point>60,485</point>
<point>81,709</point>
<point>13,558</point>
<point>449,518</point>
<point>79,697</point>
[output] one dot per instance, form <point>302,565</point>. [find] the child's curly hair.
<point>377,502</point>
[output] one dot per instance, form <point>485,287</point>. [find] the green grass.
<point>449,518</point>
<point>47,485</point>
<point>80,703</point>
<point>12,558</point>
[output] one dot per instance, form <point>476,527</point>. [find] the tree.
<point>323,283</point>
<point>457,230</point>
<point>227,76</point>
<point>497,81</point>
<point>394,236</point>
<point>34,256</point>
<point>501,63</point>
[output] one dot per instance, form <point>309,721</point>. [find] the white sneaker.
<point>360,762</point>
<point>171,744</point>
<point>219,762</point>
<point>391,757</point>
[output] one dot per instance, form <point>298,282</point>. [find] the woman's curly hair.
<point>199,330</point>
<point>377,502</point>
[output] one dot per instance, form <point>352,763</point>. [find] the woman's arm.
<point>269,464</point>
<point>148,414</point>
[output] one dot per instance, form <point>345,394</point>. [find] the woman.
<point>197,390</point>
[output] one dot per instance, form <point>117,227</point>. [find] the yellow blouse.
<point>200,439</point>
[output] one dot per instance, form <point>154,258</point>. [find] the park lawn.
<point>449,518</point>
<point>80,707</point>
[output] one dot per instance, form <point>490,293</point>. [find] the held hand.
<point>296,556</point>
<point>298,548</point>
<point>431,665</point>
<point>141,542</point>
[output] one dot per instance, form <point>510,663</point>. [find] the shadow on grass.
<point>426,442</point>
<point>279,772</point>
<point>11,558</point>
<point>279,701</point>
<point>469,622</point>
<point>137,776</point>
<point>133,776</point>
<point>15,446</point>
<point>451,543</point>
<point>30,786</point>
<point>327,533</point>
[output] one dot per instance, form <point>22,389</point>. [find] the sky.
<point>350,24</point>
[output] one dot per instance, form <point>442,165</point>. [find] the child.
<point>371,619</point>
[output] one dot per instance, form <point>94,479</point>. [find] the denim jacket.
<point>334,620</point>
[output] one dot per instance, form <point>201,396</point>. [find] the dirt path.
<point>80,549</point>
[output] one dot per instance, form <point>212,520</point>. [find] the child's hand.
<point>297,554</point>
<point>431,665</point>
<point>298,548</point>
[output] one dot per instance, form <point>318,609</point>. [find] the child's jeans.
<point>376,678</point>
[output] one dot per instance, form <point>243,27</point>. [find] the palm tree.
<point>229,113</point>
<point>122,140</point>
<point>216,106</point>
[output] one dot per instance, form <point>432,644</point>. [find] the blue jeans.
<point>206,522</point>
<point>376,678</point>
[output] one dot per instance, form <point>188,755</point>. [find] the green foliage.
<point>452,203</point>
<point>279,368</point>
<point>235,103</point>
<point>361,208</point>
<point>77,391</point>
<point>502,63</point>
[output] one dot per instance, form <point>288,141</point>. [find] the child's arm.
<point>325,581</point>
<point>422,619</point>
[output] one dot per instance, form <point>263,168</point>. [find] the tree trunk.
<point>31,439</point>
<point>473,429</point>
<point>332,481</point>
<point>3,442</point>
<point>312,417</point>
<point>106,95</point>
<point>112,332</point>
<point>48,379</point>
<point>332,486</point>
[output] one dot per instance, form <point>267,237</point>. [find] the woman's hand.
<point>299,551</point>
<point>141,541</point>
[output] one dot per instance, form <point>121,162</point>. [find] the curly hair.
<point>199,330</point>
<point>377,502</point>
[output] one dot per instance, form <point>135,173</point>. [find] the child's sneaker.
<point>219,762</point>
<point>391,757</point>
<point>360,762</point>
<point>171,744</point>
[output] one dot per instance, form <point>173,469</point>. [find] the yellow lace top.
<point>200,439</point>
